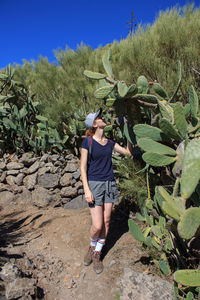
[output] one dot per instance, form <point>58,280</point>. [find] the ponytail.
<point>90,132</point>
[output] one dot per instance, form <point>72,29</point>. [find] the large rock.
<point>9,272</point>
<point>141,286</point>
<point>14,166</point>
<point>3,176</point>
<point>27,159</point>
<point>66,179</point>
<point>33,168</point>
<point>25,196</point>
<point>76,203</point>
<point>41,197</point>
<point>19,178</point>
<point>71,167</point>
<point>2,165</point>
<point>12,172</point>
<point>6,198</point>
<point>20,287</point>
<point>30,181</point>
<point>76,174</point>
<point>68,192</point>
<point>48,180</point>
<point>10,179</point>
<point>44,170</point>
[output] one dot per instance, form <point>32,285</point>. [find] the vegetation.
<point>169,138</point>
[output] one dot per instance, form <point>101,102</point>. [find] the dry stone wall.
<point>47,180</point>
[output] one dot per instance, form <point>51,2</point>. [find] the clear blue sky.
<point>30,28</point>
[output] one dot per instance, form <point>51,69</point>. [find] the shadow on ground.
<point>118,226</point>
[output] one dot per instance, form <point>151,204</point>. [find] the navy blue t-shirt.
<point>100,168</point>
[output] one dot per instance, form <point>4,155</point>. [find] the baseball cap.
<point>89,120</point>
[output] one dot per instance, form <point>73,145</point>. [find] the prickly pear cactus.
<point>188,277</point>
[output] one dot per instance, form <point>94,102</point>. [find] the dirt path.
<point>50,244</point>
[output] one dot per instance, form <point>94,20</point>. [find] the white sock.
<point>99,245</point>
<point>93,242</point>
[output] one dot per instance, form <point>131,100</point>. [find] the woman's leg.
<point>107,209</point>
<point>97,215</point>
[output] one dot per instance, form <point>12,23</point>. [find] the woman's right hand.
<point>89,197</point>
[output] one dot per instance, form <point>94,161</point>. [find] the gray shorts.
<point>103,192</point>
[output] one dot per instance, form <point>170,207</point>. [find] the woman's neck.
<point>99,134</point>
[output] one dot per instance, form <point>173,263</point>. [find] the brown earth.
<point>49,244</point>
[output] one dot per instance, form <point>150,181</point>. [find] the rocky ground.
<point>44,248</point>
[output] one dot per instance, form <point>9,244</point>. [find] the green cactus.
<point>151,146</point>
<point>188,277</point>
<point>132,90</point>
<point>166,110</point>
<point>170,210</point>
<point>157,160</point>
<point>145,130</point>
<point>177,168</point>
<point>194,103</point>
<point>190,168</point>
<point>107,64</point>
<point>104,91</point>
<point>169,129</point>
<point>180,121</point>
<point>94,75</point>
<point>146,98</point>
<point>187,110</point>
<point>122,88</point>
<point>136,231</point>
<point>142,85</point>
<point>189,222</point>
<point>159,90</point>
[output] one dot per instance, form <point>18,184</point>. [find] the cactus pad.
<point>142,85</point>
<point>151,146</point>
<point>157,160</point>
<point>103,91</point>
<point>169,129</point>
<point>188,277</point>
<point>189,222</point>
<point>194,102</point>
<point>122,88</point>
<point>94,75</point>
<point>158,89</point>
<point>146,98</point>
<point>144,130</point>
<point>179,118</point>
<point>190,168</point>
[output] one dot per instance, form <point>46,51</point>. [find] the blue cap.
<point>89,120</point>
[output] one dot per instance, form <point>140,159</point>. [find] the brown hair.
<point>90,132</point>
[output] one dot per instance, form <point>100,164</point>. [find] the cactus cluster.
<point>22,128</point>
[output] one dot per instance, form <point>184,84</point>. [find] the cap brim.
<point>99,111</point>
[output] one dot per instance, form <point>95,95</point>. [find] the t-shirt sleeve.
<point>85,144</point>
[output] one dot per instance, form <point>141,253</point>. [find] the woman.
<point>99,185</point>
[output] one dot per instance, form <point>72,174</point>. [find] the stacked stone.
<point>48,180</point>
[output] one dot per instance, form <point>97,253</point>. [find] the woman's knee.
<point>97,227</point>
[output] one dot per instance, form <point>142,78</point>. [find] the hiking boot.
<point>98,265</point>
<point>88,257</point>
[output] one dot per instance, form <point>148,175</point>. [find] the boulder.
<point>68,192</point>
<point>10,179</point>
<point>3,176</point>
<point>30,181</point>
<point>14,166</point>
<point>66,179</point>
<point>20,287</point>
<point>19,178</point>
<point>6,198</point>
<point>2,165</point>
<point>33,168</point>
<point>48,180</point>
<point>141,286</point>
<point>76,174</point>
<point>71,167</point>
<point>9,272</point>
<point>76,203</point>
<point>27,159</point>
<point>12,172</point>
<point>41,197</point>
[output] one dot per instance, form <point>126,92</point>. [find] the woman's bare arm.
<point>122,150</point>
<point>88,195</point>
